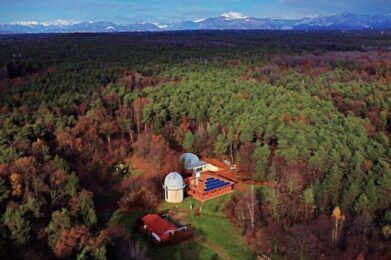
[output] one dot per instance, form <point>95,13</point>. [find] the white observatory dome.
<point>173,180</point>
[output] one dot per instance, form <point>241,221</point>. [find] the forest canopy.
<point>312,116</point>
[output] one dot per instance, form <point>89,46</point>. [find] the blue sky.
<point>128,11</point>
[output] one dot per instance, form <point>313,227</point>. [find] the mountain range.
<point>226,21</point>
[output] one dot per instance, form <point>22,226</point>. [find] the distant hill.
<point>226,21</point>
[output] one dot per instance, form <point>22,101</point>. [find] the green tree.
<point>60,220</point>
<point>261,154</point>
<point>350,195</point>
<point>309,200</point>
<point>18,225</point>
<point>188,142</point>
<point>88,253</point>
<point>72,185</point>
<point>332,185</point>
<point>272,172</point>
<point>221,145</point>
<point>86,208</point>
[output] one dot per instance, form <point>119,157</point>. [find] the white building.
<point>173,187</point>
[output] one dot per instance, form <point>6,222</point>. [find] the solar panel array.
<point>213,183</point>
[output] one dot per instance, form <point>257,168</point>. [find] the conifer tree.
<point>188,142</point>
<point>18,225</point>
<point>60,220</point>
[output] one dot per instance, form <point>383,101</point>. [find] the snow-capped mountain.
<point>226,21</point>
<point>234,16</point>
<point>347,21</point>
<point>58,22</point>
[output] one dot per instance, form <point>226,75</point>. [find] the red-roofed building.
<point>161,228</point>
<point>208,186</point>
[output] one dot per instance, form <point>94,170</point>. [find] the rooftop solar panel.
<point>216,185</point>
<point>210,182</point>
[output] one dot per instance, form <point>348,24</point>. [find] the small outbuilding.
<point>161,228</point>
<point>174,187</point>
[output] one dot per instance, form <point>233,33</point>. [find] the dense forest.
<point>308,112</point>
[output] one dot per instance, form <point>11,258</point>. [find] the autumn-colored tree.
<point>16,184</point>
<point>138,106</point>
<point>302,243</point>
<point>71,240</point>
<point>40,149</point>
<point>125,120</point>
<point>140,196</point>
<point>108,129</point>
<point>246,159</point>
<point>338,220</point>
<point>158,148</point>
<point>65,141</point>
<point>246,211</point>
<point>274,199</point>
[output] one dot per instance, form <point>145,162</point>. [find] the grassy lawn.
<point>187,250</point>
<point>215,236</point>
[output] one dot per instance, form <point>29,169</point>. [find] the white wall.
<point>174,196</point>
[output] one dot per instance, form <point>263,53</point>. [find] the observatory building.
<point>191,163</point>
<point>173,187</point>
<point>205,182</point>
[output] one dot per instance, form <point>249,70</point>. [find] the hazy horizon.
<point>120,11</point>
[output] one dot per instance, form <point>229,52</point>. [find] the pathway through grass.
<point>212,229</point>
<point>215,236</point>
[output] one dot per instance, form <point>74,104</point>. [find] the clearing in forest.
<point>215,236</point>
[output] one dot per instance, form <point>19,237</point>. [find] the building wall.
<point>210,167</point>
<point>174,196</point>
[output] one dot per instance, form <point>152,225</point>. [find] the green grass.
<point>215,236</point>
<point>186,250</point>
<point>214,232</point>
<point>128,220</point>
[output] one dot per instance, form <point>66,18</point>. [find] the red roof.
<point>158,225</point>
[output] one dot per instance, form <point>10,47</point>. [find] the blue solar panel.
<point>213,185</point>
<point>216,185</point>
<point>212,182</point>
